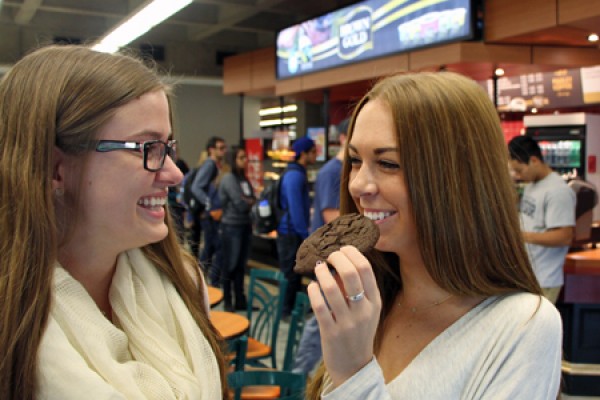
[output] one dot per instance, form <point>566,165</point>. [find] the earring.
<point>59,192</point>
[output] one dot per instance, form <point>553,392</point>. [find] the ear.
<point>535,160</point>
<point>58,169</point>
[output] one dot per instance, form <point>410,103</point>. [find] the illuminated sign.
<point>370,29</point>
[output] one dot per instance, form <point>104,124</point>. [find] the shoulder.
<point>331,167</point>
<point>208,165</point>
<point>292,174</point>
<point>228,178</point>
<point>560,190</point>
<point>526,311</point>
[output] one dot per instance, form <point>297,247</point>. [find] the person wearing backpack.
<point>200,187</point>
<point>293,226</point>
<point>237,197</point>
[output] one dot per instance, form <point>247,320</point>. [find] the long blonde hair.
<point>60,96</point>
<point>454,158</point>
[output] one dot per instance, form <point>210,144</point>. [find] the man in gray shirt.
<point>547,210</point>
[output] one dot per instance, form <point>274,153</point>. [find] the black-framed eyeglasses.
<point>155,151</point>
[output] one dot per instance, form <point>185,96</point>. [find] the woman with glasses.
<point>447,306</point>
<point>98,299</point>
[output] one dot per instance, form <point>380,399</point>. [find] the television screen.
<point>370,29</point>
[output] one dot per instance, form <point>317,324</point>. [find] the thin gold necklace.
<point>435,303</point>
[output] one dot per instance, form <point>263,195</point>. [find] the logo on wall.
<point>355,33</point>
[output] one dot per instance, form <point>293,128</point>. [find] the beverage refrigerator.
<point>570,144</point>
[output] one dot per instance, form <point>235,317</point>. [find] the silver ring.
<point>357,297</point>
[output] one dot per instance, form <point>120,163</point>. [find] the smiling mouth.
<point>378,216</point>
<point>151,202</point>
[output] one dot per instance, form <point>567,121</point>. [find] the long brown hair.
<point>454,158</point>
<point>60,96</point>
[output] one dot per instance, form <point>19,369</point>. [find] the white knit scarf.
<point>154,350</point>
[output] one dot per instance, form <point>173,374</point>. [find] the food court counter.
<point>579,306</point>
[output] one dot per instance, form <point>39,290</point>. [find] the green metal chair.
<point>237,352</point>
<point>297,321</point>
<point>264,313</point>
<point>282,385</point>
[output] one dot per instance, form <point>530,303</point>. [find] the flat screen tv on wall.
<point>371,29</point>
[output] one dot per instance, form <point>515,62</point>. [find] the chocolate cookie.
<point>349,229</point>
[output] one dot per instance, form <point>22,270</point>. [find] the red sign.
<point>254,151</point>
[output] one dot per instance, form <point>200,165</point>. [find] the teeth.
<point>152,201</point>
<point>376,216</point>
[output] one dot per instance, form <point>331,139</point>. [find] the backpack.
<point>194,206</point>
<point>267,212</point>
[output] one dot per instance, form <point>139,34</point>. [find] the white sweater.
<point>507,347</point>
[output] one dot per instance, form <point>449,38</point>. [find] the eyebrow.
<point>377,151</point>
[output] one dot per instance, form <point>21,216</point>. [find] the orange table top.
<point>215,295</point>
<point>586,262</point>
<point>229,324</point>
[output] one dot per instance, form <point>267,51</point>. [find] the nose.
<point>170,172</point>
<point>362,182</point>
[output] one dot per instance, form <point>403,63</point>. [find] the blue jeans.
<point>287,246</point>
<point>210,257</point>
<point>235,245</point>
<point>309,351</point>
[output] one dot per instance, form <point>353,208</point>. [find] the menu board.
<point>369,29</point>
<point>556,89</point>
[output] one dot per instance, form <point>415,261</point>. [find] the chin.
<point>155,235</point>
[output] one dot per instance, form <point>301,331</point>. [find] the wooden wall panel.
<point>481,52</point>
<point>507,18</point>
<point>570,11</point>
<point>356,72</point>
<point>288,86</point>
<point>566,56</point>
<point>237,72</point>
<point>434,57</point>
<point>263,70</point>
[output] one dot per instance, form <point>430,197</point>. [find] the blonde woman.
<point>447,306</point>
<point>97,298</point>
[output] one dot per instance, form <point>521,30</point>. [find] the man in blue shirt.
<point>293,227</point>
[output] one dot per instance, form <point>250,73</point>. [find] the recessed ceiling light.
<point>593,37</point>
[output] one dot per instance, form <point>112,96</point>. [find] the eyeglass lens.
<point>156,152</point>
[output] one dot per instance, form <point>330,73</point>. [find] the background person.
<point>326,208</point>
<point>205,190</point>
<point>293,227</point>
<point>97,296</point>
<point>547,210</point>
<point>237,198</point>
<point>448,306</point>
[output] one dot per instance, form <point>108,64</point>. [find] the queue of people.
<point>100,297</point>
